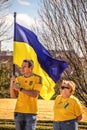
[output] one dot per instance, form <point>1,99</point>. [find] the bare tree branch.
<point>64,30</point>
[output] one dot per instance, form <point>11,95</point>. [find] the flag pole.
<point>13,41</point>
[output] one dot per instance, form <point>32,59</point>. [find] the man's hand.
<point>13,79</point>
<point>15,86</point>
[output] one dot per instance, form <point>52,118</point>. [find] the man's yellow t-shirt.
<point>25,103</point>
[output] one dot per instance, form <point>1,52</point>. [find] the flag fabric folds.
<point>27,45</point>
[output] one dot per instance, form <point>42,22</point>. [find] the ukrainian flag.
<point>26,45</point>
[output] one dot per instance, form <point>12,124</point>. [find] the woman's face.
<point>65,90</point>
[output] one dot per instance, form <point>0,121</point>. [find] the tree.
<point>5,31</point>
<point>5,71</point>
<point>5,21</point>
<point>64,32</point>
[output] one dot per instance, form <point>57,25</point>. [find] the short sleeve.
<point>78,108</point>
<point>38,83</point>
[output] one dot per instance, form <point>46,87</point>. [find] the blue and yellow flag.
<point>26,45</point>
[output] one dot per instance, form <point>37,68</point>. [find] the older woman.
<point>67,108</point>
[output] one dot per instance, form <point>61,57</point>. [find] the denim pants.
<point>65,125</point>
<point>25,121</point>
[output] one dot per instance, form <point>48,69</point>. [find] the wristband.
<point>21,89</point>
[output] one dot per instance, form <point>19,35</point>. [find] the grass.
<point>45,115</point>
<point>45,109</point>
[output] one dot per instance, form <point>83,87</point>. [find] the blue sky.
<point>26,15</point>
<point>29,7</point>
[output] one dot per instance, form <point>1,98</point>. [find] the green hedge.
<point>41,125</point>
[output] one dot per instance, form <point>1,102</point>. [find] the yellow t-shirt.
<point>66,108</point>
<point>25,103</point>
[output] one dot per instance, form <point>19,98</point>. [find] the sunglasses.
<point>64,87</point>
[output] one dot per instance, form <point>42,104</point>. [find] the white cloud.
<point>22,19</point>
<point>25,20</point>
<point>24,2</point>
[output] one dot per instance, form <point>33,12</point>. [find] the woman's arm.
<point>79,117</point>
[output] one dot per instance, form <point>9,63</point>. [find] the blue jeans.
<point>25,121</point>
<point>66,125</point>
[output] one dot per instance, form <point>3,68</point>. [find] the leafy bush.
<point>5,71</point>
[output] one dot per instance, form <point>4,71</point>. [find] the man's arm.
<point>15,88</point>
<point>32,93</point>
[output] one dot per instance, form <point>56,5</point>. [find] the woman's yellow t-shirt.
<point>66,108</point>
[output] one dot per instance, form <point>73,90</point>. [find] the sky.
<point>27,14</point>
<point>25,6</point>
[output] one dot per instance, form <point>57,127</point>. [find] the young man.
<point>27,88</point>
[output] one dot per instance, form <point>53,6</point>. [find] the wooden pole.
<point>13,41</point>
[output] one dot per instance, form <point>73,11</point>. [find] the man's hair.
<point>30,62</point>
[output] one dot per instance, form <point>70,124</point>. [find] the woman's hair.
<point>70,84</point>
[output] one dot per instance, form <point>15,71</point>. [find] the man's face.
<point>25,69</point>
